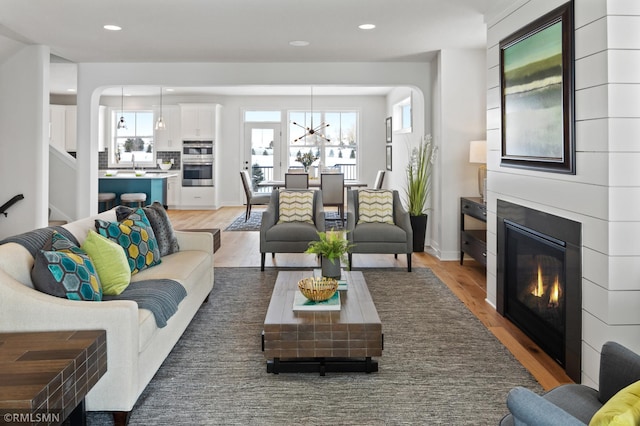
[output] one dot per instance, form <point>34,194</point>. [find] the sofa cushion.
<point>110,261</point>
<point>160,223</point>
<point>379,232</point>
<point>138,242</point>
<point>623,409</point>
<point>295,206</point>
<point>292,231</point>
<point>68,273</point>
<point>375,206</point>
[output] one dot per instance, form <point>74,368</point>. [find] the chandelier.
<point>311,130</point>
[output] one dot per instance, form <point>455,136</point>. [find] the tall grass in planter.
<point>418,189</point>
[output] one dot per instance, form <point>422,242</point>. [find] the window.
<point>342,131</point>
<point>402,121</point>
<point>135,142</point>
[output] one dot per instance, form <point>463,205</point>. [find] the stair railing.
<point>5,206</point>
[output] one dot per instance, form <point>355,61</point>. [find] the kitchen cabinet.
<point>198,121</point>
<point>57,126</point>
<point>197,197</point>
<point>170,138</point>
<point>62,127</point>
<point>70,120</point>
<point>174,186</point>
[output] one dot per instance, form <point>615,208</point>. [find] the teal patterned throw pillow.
<point>138,241</point>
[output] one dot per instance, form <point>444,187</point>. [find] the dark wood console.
<point>473,241</point>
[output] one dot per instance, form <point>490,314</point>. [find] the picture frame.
<point>389,158</point>
<point>537,100</point>
<point>389,130</point>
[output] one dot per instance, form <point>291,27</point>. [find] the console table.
<point>473,241</point>
<point>44,376</point>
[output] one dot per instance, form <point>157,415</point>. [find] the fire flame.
<point>538,290</point>
<point>553,298</point>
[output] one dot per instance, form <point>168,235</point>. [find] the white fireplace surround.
<point>604,195</point>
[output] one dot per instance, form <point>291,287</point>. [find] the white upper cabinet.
<point>57,126</point>
<point>198,121</point>
<point>168,139</point>
<point>70,120</point>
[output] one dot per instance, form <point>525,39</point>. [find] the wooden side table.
<point>473,241</point>
<point>44,376</point>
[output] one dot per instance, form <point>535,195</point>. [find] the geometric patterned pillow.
<point>160,223</point>
<point>375,206</point>
<point>138,242</point>
<point>67,273</point>
<point>296,206</point>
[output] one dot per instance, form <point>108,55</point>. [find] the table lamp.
<point>478,154</point>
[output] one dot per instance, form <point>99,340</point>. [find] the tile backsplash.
<point>103,159</point>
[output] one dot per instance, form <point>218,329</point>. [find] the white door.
<point>262,157</point>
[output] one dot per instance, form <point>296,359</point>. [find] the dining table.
<point>313,183</point>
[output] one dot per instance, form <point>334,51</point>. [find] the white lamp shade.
<point>478,152</point>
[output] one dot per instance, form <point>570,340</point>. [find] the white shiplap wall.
<point>604,195</point>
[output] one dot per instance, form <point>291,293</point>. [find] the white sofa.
<point>136,347</point>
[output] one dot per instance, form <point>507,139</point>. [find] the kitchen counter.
<point>153,183</point>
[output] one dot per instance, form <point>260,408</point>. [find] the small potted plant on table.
<point>332,247</point>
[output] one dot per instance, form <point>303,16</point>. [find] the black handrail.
<point>5,206</point>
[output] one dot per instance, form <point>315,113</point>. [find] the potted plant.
<point>332,248</point>
<point>418,189</point>
<point>306,159</point>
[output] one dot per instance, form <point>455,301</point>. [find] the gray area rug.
<point>332,221</point>
<point>440,366</point>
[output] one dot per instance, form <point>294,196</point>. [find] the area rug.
<point>332,221</point>
<point>439,366</point>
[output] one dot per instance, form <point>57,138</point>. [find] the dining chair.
<point>379,179</point>
<point>253,198</point>
<point>296,180</point>
<point>332,186</point>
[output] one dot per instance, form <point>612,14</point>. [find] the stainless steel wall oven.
<point>197,163</point>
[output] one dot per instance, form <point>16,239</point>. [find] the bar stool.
<point>108,198</point>
<point>133,197</point>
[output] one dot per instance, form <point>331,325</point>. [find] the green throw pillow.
<point>296,206</point>
<point>623,409</point>
<point>68,273</point>
<point>375,206</point>
<point>138,242</point>
<point>110,261</point>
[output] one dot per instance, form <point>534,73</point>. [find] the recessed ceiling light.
<point>366,26</point>
<point>299,43</point>
<point>111,27</point>
<point>71,90</point>
<point>170,90</point>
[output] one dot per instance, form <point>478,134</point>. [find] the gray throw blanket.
<point>36,239</point>
<point>160,296</point>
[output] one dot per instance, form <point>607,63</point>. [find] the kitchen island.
<point>152,183</point>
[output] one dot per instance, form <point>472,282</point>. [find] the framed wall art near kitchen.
<point>388,121</point>
<point>389,158</point>
<point>536,81</point>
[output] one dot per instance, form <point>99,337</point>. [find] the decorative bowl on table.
<point>318,289</point>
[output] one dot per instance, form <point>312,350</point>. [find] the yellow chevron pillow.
<point>296,206</point>
<point>375,206</point>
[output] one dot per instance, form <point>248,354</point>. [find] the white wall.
<point>24,146</point>
<point>603,195</point>
<point>458,118</point>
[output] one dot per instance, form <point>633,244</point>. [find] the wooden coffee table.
<point>322,341</point>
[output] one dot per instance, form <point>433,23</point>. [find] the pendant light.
<point>160,122</point>
<point>311,131</point>
<point>121,122</point>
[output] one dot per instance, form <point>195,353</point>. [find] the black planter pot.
<point>419,225</point>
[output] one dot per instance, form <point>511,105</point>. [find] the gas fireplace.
<point>539,280</point>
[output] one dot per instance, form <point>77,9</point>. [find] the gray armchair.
<point>289,237</point>
<point>379,237</point>
<point>574,404</point>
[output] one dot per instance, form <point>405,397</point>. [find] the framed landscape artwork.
<point>536,72</point>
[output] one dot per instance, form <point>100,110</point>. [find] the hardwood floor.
<point>467,282</point>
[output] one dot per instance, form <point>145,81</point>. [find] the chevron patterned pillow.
<point>296,206</point>
<point>375,206</point>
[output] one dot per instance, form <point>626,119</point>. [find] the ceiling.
<point>241,30</point>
